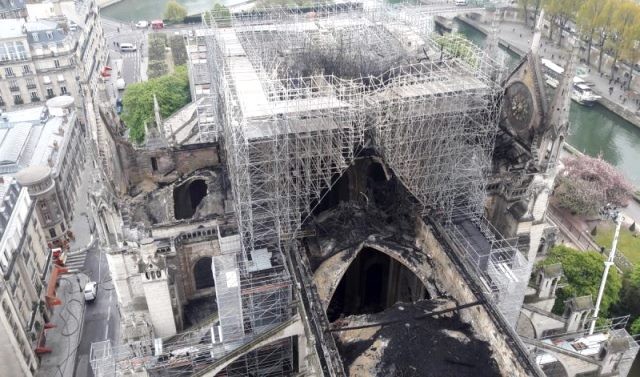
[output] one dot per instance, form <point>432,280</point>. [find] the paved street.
<point>79,323</point>
<point>101,318</point>
<point>520,36</point>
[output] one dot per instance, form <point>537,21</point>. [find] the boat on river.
<point>581,93</point>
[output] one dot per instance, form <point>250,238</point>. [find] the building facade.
<point>55,52</point>
<point>24,264</point>
<point>13,9</point>
<point>44,148</point>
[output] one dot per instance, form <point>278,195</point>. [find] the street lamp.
<point>611,212</point>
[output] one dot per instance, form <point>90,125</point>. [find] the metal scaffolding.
<point>296,95</point>
<point>303,93</point>
<point>301,90</point>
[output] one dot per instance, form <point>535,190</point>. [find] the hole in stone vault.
<point>373,282</point>
<point>187,197</point>
<point>203,274</point>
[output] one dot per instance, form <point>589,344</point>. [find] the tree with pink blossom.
<point>586,184</point>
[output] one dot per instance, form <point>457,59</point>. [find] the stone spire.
<point>537,34</point>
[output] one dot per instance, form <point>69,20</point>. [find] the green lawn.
<point>627,243</point>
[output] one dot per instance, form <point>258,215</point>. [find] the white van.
<point>124,47</point>
<point>461,3</point>
<point>90,291</point>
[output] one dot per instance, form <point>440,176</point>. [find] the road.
<point>101,317</point>
<point>131,62</point>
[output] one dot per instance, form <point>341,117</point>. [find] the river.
<point>134,10</point>
<point>593,130</point>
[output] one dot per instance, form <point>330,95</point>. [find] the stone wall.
<point>508,353</point>
<point>188,255</point>
<point>164,165</point>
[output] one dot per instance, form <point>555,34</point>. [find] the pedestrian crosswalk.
<point>75,262</point>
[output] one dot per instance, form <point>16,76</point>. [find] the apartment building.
<point>24,266</point>
<point>13,9</point>
<point>59,49</point>
<point>44,148</point>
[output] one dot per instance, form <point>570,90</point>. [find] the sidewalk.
<point>520,36</point>
<point>65,337</point>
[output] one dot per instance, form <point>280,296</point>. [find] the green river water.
<point>593,130</point>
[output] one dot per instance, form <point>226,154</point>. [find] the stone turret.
<point>578,311</point>
<point>548,278</point>
<point>155,283</point>
<point>613,351</point>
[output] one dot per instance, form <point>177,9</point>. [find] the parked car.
<point>127,47</point>
<point>157,24</point>
<point>90,291</point>
<point>120,84</point>
<point>142,24</point>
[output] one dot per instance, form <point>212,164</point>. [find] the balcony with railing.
<point>14,88</point>
<point>13,61</point>
<point>18,101</point>
<point>31,86</point>
<point>35,99</point>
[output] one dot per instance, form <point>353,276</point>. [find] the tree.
<point>587,21</point>
<point>221,15</point>
<point>525,9</point>
<point>604,26</point>
<point>588,183</point>
<point>175,12</point>
<point>172,92</point>
<point>625,18</point>
<point>635,327</point>
<point>629,303</point>
<point>560,12</point>
<point>536,12</point>
<point>583,273</point>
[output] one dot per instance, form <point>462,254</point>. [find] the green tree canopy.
<point>630,298</point>
<point>583,272</point>
<point>587,21</point>
<point>560,12</point>
<point>172,92</point>
<point>175,12</point>
<point>625,30</point>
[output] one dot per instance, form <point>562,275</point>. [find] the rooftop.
<point>580,303</point>
<point>11,28</point>
<point>31,137</point>
<point>552,270</point>
<point>8,5</point>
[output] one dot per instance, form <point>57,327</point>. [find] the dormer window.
<point>35,37</point>
<point>50,35</point>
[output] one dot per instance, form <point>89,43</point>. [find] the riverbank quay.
<point>516,37</point>
<point>106,3</point>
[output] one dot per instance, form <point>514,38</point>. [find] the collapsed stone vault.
<point>431,115</point>
<point>296,96</point>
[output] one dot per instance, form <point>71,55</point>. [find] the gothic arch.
<point>188,195</point>
<point>202,273</point>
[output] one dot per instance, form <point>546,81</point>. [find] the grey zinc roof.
<point>42,27</point>
<point>16,139</point>
<point>7,5</point>
<point>553,270</point>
